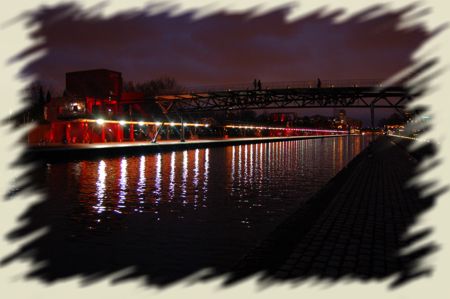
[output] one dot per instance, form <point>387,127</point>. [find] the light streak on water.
<point>158,179</point>
<point>196,179</point>
<point>257,166</point>
<point>239,170</point>
<point>172,177</point>
<point>184,178</point>
<point>245,175</point>
<point>141,183</point>
<point>122,185</point>
<point>233,165</point>
<point>101,186</point>
<point>251,162</point>
<point>205,177</point>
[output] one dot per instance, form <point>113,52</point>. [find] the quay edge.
<point>94,151</point>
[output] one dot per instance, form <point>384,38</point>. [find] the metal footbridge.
<point>369,94</point>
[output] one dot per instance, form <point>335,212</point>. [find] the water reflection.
<point>185,177</point>
<point>196,179</point>
<point>233,159</point>
<point>247,177</point>
<point>205,177</point>
<point>239,170</point>
<point>172,177</point>
<point>101,187</point>
<point>340,153</point>
<point>251,162</point>
<point>158,179</point>
<point>186,209</point>
<point>122,185</point>
<point>141,185</point>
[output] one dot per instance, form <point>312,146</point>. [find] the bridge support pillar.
<point>182,132</point>
<point>155,138</point>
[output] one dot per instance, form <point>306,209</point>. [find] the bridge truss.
<point>282,98</point>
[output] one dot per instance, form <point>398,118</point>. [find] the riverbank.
<point>96,150</point>
<point>354,227</point>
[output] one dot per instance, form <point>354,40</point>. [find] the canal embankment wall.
<point>103,150</point>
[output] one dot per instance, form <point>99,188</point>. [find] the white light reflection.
<point>122,185</point>
<point>184,176</point>
<point>141,184</point>
<point>261,151</point>
<point>172,177</point>
<point>195,182</point>
<point>233,157</point>
<point>251,162</point>
<point>239,171</point>
<point>261,165</point>
<point>158,179</point>
<point>239,174</point>
<point>205,176</point>
<point>256,168</point>
<point>245,176</point>
<point>101,186</point>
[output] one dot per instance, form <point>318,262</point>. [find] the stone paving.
<point>360,229</point>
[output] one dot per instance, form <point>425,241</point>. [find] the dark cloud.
<point>221,48</point>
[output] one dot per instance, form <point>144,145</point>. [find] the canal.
<point>167,215</point>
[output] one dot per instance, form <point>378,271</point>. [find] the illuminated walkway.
<point>354,227</point>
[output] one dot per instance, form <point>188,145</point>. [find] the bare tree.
<point>153,87</point>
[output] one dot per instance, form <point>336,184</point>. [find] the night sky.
<point>221,48</point>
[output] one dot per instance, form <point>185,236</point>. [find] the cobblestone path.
<point>358,228</point>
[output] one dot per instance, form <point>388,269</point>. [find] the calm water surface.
<point>171,214</point>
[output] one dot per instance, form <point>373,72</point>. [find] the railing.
<point>277,85</point>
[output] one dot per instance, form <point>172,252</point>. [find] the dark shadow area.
<point>355,226</point>
<point>338,232</point>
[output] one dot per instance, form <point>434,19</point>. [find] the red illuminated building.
<point>91,97</point>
